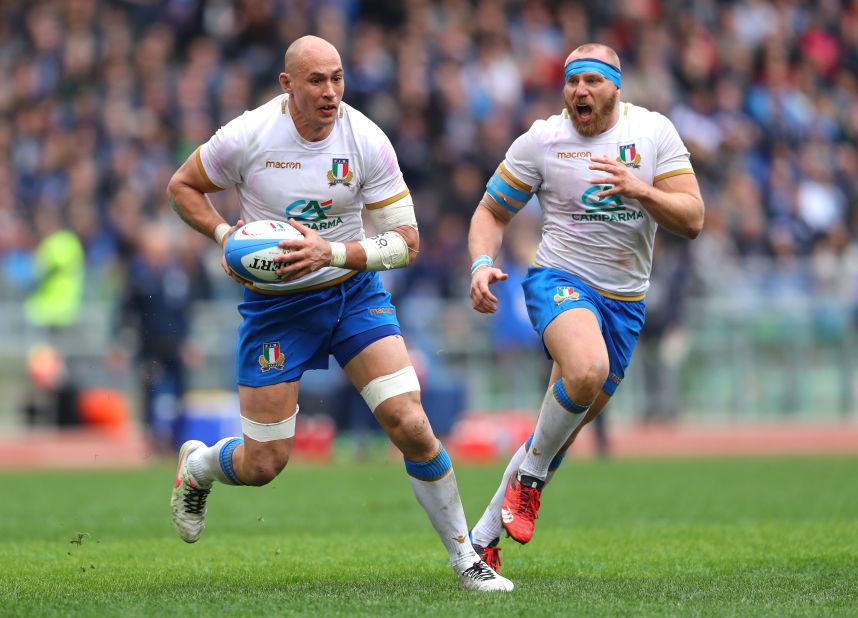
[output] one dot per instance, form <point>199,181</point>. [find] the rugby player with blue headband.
<point>606,174</point>
<point>593,65</point>
<point>509,192</point>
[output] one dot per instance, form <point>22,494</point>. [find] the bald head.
<point>313,79</point>
<point>597,51</point>
<point>309,51</point>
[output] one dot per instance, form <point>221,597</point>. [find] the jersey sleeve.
<point>523,161</point>
<point>383,183</point>
<point>672,156</point>
<point>221,158</point>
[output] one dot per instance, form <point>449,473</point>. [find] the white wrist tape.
<point>384,387</point>
<point>268,432</point>
<point>220,231</point>
<point>385,251</point>
<point>338,254</point>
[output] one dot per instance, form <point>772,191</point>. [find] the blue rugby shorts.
<point>549,292</point>
<point>281,337</point>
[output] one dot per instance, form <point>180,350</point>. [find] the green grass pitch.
<point>708,537</point>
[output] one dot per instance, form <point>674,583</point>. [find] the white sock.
<point>489,527</point>
<point>214,463</point>
<point>558,418</point>
<point>434,485</point>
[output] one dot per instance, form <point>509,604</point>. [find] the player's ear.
<point>286,83</point>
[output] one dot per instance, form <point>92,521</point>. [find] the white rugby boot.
<point>188,501</point>
<point>480,576</point>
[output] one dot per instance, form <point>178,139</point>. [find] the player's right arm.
<point>505,195</point>
<point>187,191</point>
<point>509,189</point>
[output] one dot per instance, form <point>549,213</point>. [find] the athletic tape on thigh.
<point>268,432</point>
<point>384,387</point>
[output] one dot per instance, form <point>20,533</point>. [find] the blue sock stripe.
<point>431,470</point>
<point>564,400</point>
<point>555,463</point>
<point>528,443</point>
<point>225,459</point>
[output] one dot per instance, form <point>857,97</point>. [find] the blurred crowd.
<point>102,100</point>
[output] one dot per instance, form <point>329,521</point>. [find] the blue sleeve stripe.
<point>500,200</point>
<point>431,470</point>
<point>564,400</point>
<point>498,184</point>
<point>512,179</point>
<point>528,443</point>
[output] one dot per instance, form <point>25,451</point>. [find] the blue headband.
<point>591,65</point>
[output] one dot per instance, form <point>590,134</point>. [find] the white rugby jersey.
<point>608,241</point>
<point>323,185</point>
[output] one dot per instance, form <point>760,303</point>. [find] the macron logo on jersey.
<point>284,165</point>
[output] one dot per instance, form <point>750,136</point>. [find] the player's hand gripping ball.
<point>251,249</point>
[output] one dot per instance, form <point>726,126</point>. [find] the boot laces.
<point>479,571</point>
<point>528,501</point>
<point>491,555</point>
<point>195,499</point>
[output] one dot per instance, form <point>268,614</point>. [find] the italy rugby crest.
<point>271,357</point>
<point>565,293</point>
<point>629,156</point>
<point>340,173</point>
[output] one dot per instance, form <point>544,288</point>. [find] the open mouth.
<point>584,112</point>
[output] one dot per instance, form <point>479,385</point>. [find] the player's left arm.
<point>395,245</point>
<point>674,202</point>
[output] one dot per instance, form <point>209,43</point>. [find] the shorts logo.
<point>629,156</point>
<point>271,357</point>
<point>613,377</point>
<point>565,293</point>
<point>340,173</point>
<point>381,310</point>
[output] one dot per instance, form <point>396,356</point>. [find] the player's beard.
<point>601,119</point>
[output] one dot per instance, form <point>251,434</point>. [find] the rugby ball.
<point>250,250</point>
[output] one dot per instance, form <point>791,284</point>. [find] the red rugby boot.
<point>521,506</point>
